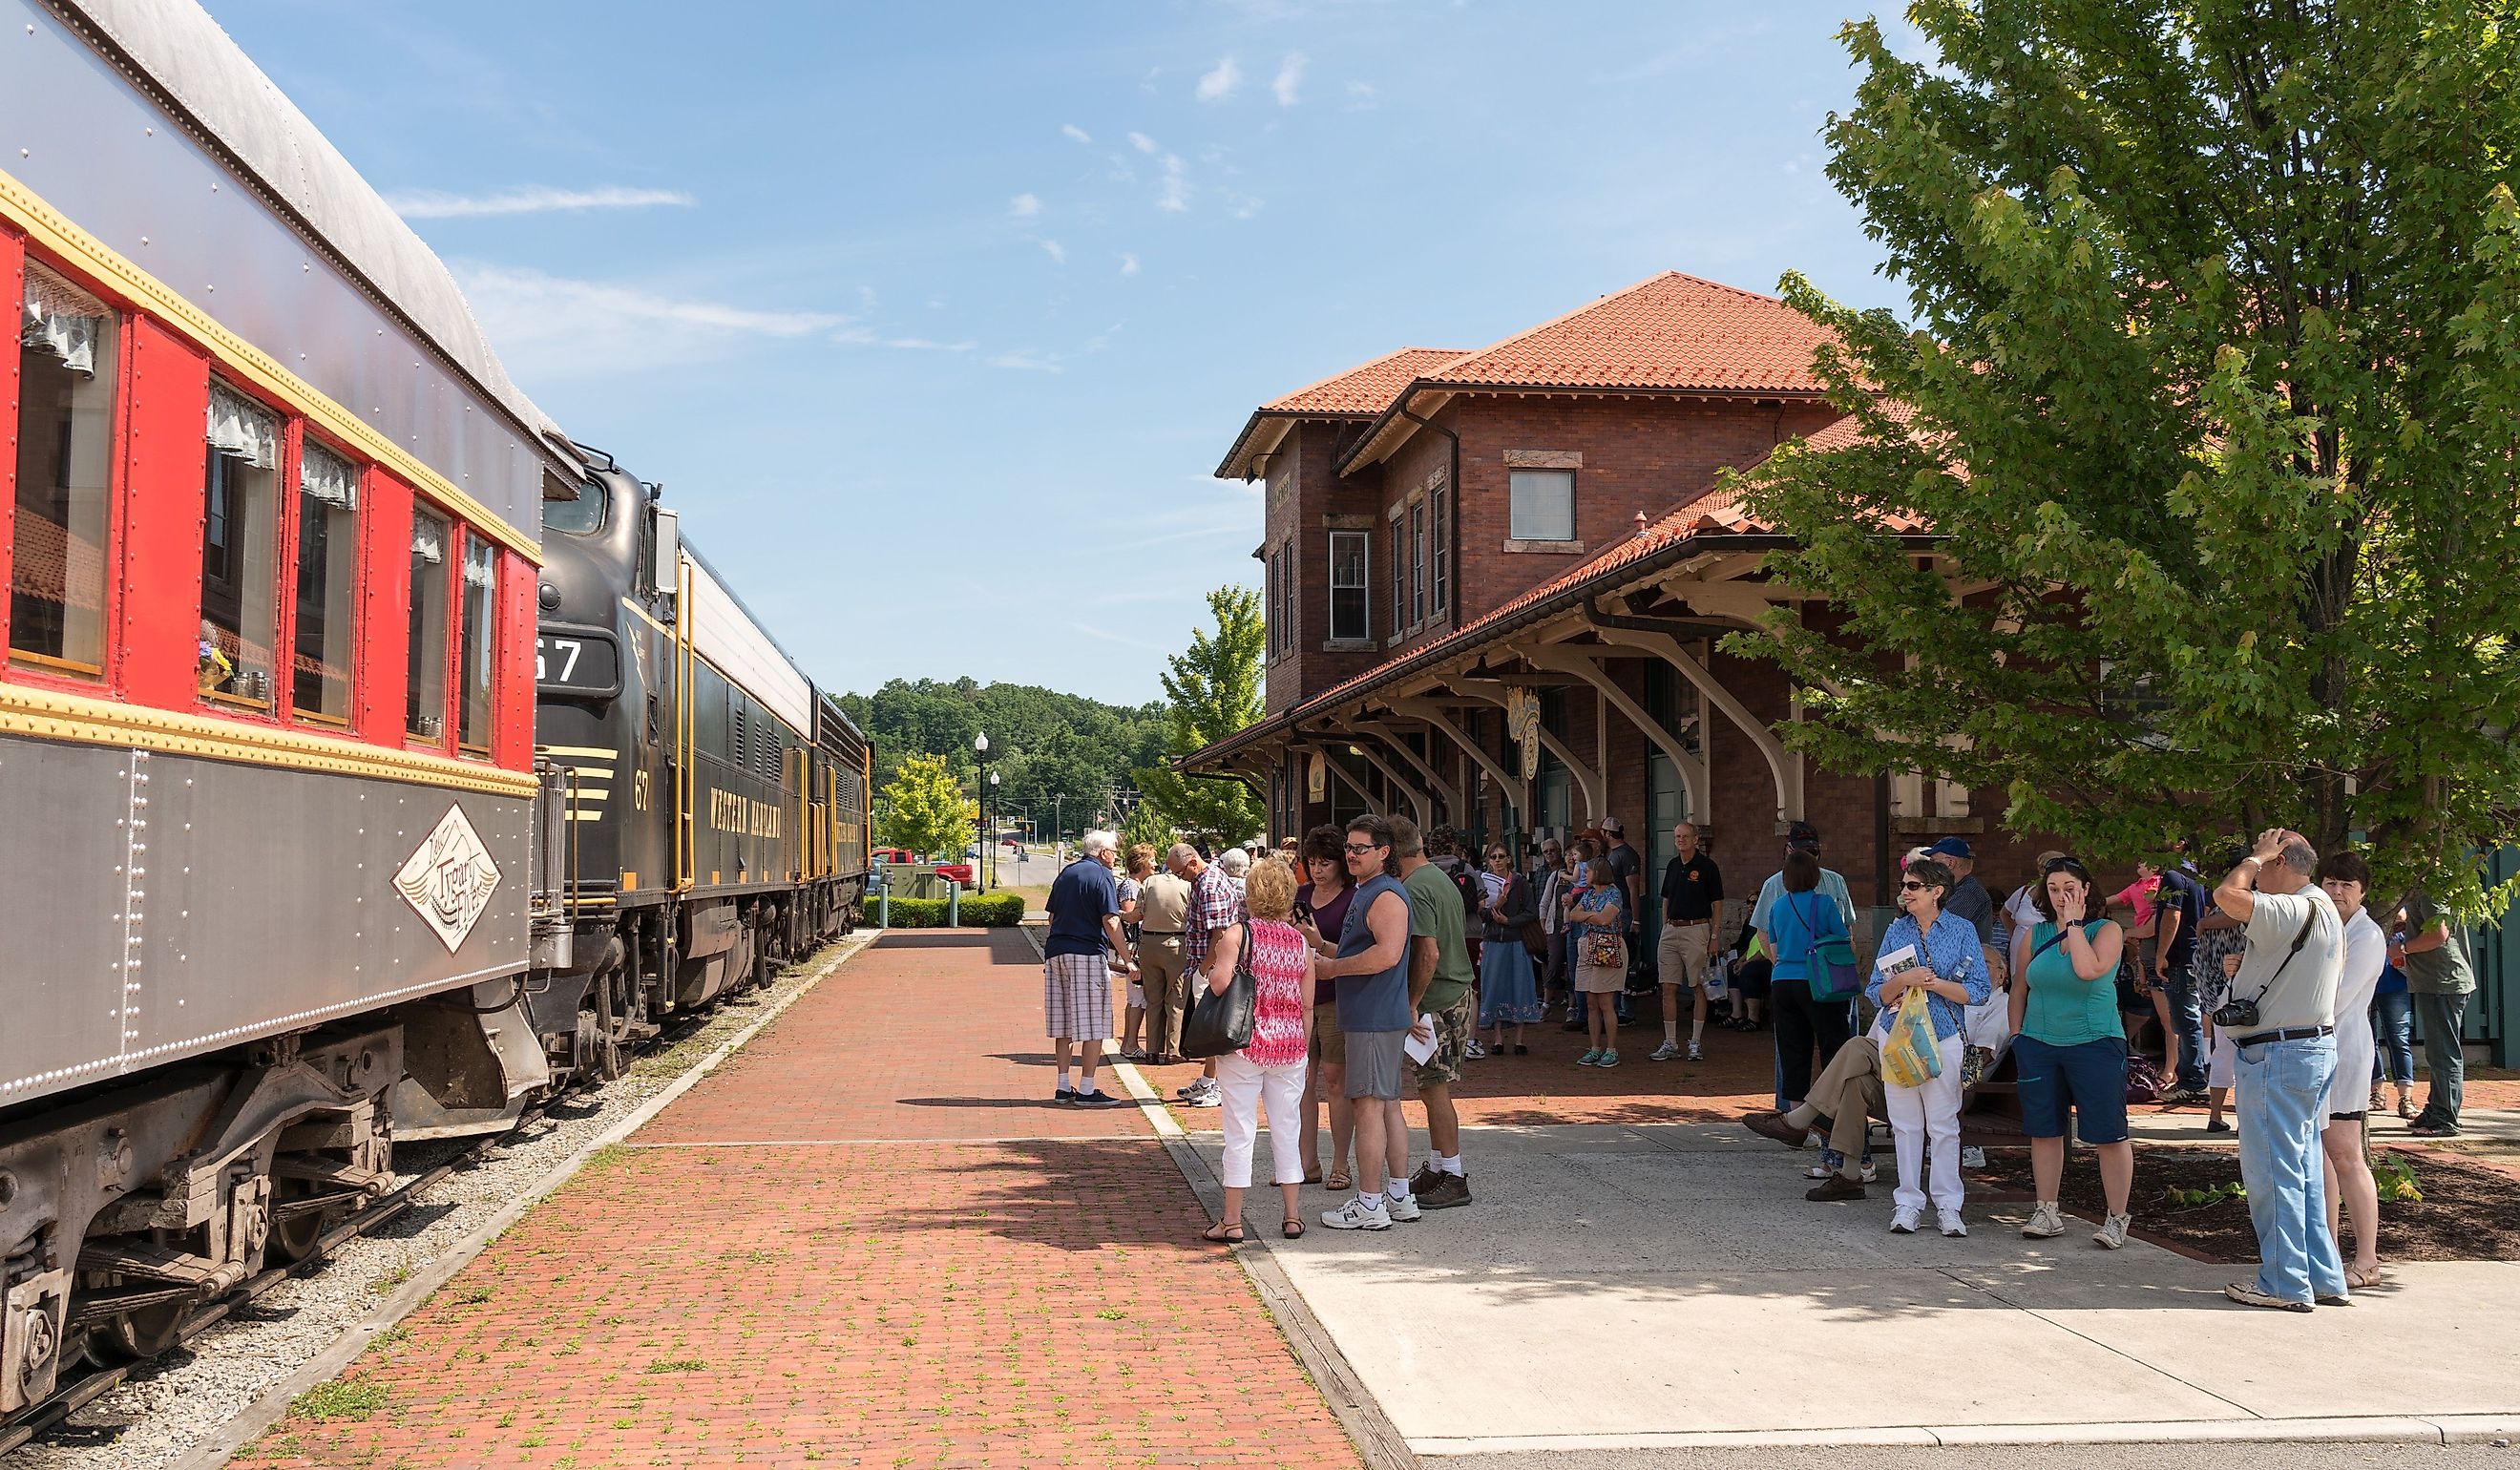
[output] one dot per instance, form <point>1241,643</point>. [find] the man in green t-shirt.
<point>1439,988</point>
<point>2439,980</point>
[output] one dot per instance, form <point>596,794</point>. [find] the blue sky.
<point>935,319</point>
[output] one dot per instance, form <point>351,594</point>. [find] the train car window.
<point>65,390</point>
<point>426,714</point>
<point>478,647</point>
<point>240,552</point>
<point>328,559</point>
<point>582,517</point>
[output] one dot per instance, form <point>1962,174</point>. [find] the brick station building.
<point>1459,542</point>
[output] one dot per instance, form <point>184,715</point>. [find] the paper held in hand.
<point>1421,1047</point>
<point>1893,962</point>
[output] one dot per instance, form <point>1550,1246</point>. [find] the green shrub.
<point>994,911</point>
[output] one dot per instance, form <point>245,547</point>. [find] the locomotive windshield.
<point>582,517</point>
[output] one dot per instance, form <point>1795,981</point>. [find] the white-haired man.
<point>1216,904</point>
<point>1084,906</point>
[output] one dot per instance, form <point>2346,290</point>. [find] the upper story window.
<point>1399,573</point>
<point>1417,563</point>
<point>66,345</point>
<point>240,549</point>
<point>424,716</point>
<point>582,517</point>
<point>1439,531</point>
<point>1542,505</point>
<point>480,644</point>
<point>1348,605</point>
<point>328,574</point>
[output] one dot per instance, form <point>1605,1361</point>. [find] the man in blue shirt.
<point>1084,906</point>
<point>2180,905</point>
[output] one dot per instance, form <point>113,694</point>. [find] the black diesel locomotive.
<point>716,800</point>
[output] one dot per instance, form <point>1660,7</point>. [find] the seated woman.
<point>1937,953</point>
<point>2069,1050</point>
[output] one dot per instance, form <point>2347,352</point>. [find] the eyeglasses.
<point>1363,847</point>
<point>1912,886</point>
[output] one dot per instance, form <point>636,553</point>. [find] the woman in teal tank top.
<point>2069,1048</point>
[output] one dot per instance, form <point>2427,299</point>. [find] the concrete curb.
<point>328,1364</point>
<point>2451,1429</point>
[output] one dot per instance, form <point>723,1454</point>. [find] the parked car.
<point>960,872</point>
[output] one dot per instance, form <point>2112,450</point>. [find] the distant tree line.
<point>1042,743</point>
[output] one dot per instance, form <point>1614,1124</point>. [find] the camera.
<point>2235,1015</point>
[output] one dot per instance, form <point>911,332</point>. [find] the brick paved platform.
<point>865,1241</point>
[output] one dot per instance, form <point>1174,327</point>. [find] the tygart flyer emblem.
<point>450,879</point>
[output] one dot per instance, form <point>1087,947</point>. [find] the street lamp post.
<point>989,839</point>
<point>981,748</point>
<point>1058,815</point>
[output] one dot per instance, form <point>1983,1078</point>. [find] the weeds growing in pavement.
<point>356,1399</point>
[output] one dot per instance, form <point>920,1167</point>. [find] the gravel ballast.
<point>165,1409</point>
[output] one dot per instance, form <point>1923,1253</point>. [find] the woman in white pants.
<point>1269,1072</point>
<point>1938,952</point>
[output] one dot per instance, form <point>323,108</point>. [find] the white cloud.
<point>1219,83</point>
<point>1242,206</point>
<point>1175,195</point>
<point>1024,207</point>
<point>1103,339</point>
<point>1026,360</point>
<point>1075,132</point>
<point>1290,78</point>
<point>1360,95</point>
<point>1128,263</point>
<point>551,327</point>
<point>537,199</point>
<point>1143,143</point>
<point>1054,250</point>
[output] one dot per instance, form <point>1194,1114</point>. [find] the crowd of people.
<point>1382,958</point>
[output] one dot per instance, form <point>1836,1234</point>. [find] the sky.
<point>934,320</point>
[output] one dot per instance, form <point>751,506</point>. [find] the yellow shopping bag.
<point>1910,1056</point>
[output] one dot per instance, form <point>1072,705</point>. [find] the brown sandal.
<point>1223,1232</point>
<point>1337,1181</point>
<point>1292,1229</point>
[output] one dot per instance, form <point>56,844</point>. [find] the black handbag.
<point>1221,1023</point>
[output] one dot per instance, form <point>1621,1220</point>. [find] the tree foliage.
<point>924,810</point>
<point>1214,690</point>
<point>1043,744</point>
<point>2214,361</point>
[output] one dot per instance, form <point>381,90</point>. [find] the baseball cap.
<point>1950,847</point>
<point>1614,826</point>
<point>1802,835</point>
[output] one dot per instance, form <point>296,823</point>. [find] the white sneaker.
<point>1404,1209</point>
<point>1190,1089</point>
<point>2112,1234</point>
<point>1972,1157</point>
<point>1871,1172</point>
<point>2047,1222</point>
<point>1667,1052</point>
<point>1952,1224</point>
<point>1209,1096</point>
<point>1903,1221</point>
<point>1473,1049</point>
<point>1359,1213</point>
<point>1697,1052</point>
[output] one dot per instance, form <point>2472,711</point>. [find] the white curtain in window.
<point>1542,505</point>
<point>328,477</point>
<point>243,429</point>
<point>428,542</point>
<point>61,319</point>
<point>481,565</point>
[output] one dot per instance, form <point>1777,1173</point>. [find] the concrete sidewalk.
<point>1666,1286</point>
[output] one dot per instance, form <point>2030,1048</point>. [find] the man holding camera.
<point>2280,1017</point>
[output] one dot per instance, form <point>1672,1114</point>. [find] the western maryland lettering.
<point>731,812</point>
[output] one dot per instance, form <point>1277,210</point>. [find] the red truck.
<point>900,856</point>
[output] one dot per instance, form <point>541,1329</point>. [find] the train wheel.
<point>293,1235</point>
<point>136,1336</point>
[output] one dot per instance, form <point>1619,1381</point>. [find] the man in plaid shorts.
<point>1084,906</point>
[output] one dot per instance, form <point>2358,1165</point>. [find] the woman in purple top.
<point>1321,912</point>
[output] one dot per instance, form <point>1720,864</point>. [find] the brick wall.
<point>1300,492</point>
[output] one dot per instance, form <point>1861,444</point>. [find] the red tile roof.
<point>1668,332</point>
<point>1360,392</point>
<point>1367,389</point>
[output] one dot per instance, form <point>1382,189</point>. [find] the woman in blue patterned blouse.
<point>1943,960</point>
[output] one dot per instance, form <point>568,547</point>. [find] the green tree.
<point>1149,825</point>
<point>925,810</point>
<point>2214,364</point>
<point>1214,687</point>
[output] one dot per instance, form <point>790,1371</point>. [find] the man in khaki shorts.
<point>1163,963</point>
<point>1693,896</point>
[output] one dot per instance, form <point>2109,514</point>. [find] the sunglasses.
<point>1910,885</point>
<point>1363,847</point>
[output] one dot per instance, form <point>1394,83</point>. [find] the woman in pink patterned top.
<point>1270,1070</point>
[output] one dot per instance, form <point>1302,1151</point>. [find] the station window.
<point>1417,563</point>
<point>1542,505</point>
<point>425,716</point>
<point>239,562</point>
<point>327,560</point>
<point>1347,586</point>
<point>66,390</point>
<point>1399,574</point>
<point>1439,530</point>
<point>479,645</point>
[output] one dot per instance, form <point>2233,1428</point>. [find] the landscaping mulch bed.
<point>2467,1213</point>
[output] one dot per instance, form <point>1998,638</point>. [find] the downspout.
<point>1451,507</point>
